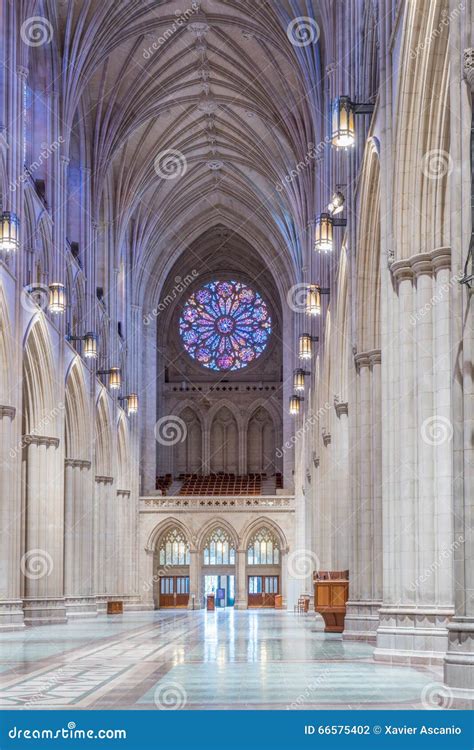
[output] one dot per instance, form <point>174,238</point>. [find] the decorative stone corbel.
<point>326,436</point>
<point>469,66</point>
<point>341,407</point>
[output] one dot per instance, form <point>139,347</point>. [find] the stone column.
<point>78,540</point>
<point>365,569</point>
<point>284,577</point>
<point>195,580</point>
<point>241,601</point>
<point>42,564</point>
<point>102,541</point>
<point>418,553</point>
<point>11,605</point>
<point>342,521</point>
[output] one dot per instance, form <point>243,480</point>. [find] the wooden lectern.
<point>331,592</point>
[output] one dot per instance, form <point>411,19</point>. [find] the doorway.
<point>174,591</point>
<point>223,588</point>
<point>262,590</point>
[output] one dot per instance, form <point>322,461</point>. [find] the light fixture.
<point>90,344</point>
<point>131,402</point>
<point>298,379</point>
<point>57,298</point>
<point>336,206</point>
<point>305,345</point>
<point>343,120</point>
<point>323,233</point>
<point>295,405</point>
<point>115,377</point>
<point>9,231</point>
<point>313,300</point>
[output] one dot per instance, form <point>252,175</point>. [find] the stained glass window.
<point>225,325</point>
<point>174,549</point>
<point>219,549</point>
<point>263,548</point>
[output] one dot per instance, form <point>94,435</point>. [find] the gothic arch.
<point>162,527</point>
<point>253,526</point>
<point>41,408</point>
<point>123,454</point>
<point>77,426</point>
<point>212,525</point>
<point>261,435</point>
<point>188,454</point>
<point>6,351</point>
<point>103,437</point>
<point>225,430</point>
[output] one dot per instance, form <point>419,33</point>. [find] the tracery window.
<point>263,548</point>
<point>174,549</point>
<point>225,325</point>
<point>219,549</point>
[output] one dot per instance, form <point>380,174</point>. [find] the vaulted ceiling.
<point>193,114</point>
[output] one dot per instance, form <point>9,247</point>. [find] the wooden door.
<point>174,591</point>
<point>262,590</point>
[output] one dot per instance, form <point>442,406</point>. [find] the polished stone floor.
<point>187,660</point>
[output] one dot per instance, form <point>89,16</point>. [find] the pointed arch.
<point>6,352</point>
<point>188,454</point>
<point>103,437</point>
<point>224,440</point>
<point>261,441</point>
<point>123,454</point>
<point>41,408</point>
<point>262,521</point>
<point>216,523</point>
<point>77,434</point>
<point>162,527</point>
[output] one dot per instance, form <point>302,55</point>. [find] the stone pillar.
<point>103,540</point>
<point>342,521</point>
<point>284,577</point>
<point>42,564</point>
<point>195,580</point>
<point>418,551</point>
<point>365,569</point>
<point>11,605</point>
<point>78,540</point>
<point>241,601</point>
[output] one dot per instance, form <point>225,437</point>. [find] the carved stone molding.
<point>124,493</point>
<point>7,411</point>
<point>77,463</point>
<point>422,263</point>
<point>40,440</point>
<point>341,407</point>
<point>104,480</point>
<point>368,359</point>
<point>469,66</point>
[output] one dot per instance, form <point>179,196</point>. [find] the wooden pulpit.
<point>331,592</point>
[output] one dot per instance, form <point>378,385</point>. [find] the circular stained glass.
<point>225,325</point>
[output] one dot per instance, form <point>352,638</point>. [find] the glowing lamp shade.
<point>90,345</point>
<point>115,378</point>
<point>298,380</point>
<point>305,348</point>
<point>295,405</point>
<point>342,125</point>
<point>57,298</point>
<point>313,300</point>
<point>9,232</point>
<point>132,403</point>
<point>323,233</point>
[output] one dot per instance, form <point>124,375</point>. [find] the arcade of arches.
<point>236,335</point>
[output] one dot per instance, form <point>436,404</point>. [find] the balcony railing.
<point>237,503</point>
